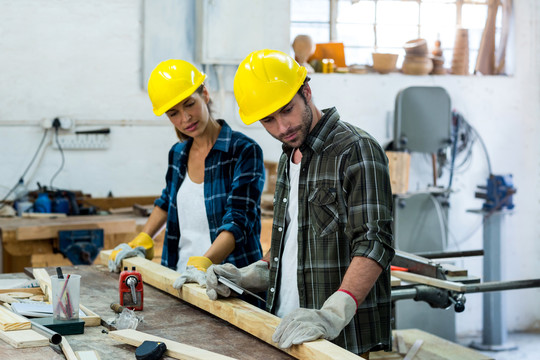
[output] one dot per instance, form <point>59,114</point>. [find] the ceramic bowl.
<point>384,63</point>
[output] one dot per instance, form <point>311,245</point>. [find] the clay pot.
<point>384,63</point>
<point>416,47</point>
<point>417,65</point>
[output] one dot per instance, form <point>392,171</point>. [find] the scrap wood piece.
<point>401,348</point>
<point>87,355</point>
<point>414,349</point>
<point>436,348</point>
<point>241,314</point>
<point>417,278</point>
<point>31,291</point>
<point>42,276</point>
<point>174,349</point>
<point>67,350</point>
<point>10,321</point>
<point>20,339</point>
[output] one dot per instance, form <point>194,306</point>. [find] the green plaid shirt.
<point>344,210</point>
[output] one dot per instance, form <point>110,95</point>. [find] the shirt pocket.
<point>323,210</point>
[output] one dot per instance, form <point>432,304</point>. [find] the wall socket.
<point>65,123</point>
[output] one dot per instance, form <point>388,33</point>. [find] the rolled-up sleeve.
<point>369,198</point>
<point>243,201</point>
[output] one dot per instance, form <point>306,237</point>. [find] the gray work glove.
<point>191,275</point>
<point>254,277</point>
<point>303,325</point>
<point>121,252</point>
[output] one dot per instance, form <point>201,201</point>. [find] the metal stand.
<point>494,333</point>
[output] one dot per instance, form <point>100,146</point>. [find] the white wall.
<point>84,60</point>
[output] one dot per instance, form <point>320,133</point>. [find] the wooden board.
<point>24,338</point>
<point>174,349</point>
<point>49,228</point>
<point>247,317</point>
<point>10,321</point>
<point>42,276</point>
<point>421,279</point>
<point>436,348</point>
<point>67,350</point>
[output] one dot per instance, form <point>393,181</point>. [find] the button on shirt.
<point>344,210</point>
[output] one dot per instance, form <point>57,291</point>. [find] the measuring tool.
<point>131,289</point>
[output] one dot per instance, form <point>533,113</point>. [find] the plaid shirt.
<point>344,210</point>
<point>233,183</point>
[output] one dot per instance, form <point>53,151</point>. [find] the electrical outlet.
<point>83,141</point>
<point>65,123</point>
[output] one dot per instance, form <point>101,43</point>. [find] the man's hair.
<point>182,137</point>
<point>301,90</point>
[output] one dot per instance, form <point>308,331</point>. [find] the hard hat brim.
<point>181,97</point>
<point>256,116</point>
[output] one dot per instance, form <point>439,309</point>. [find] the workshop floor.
<point>528,344</point>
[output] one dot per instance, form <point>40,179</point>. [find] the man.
<point>328,273</point>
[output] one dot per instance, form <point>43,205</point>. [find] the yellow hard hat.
<point>266,81</point>
<point>171,82</point>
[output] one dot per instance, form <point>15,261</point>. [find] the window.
<point>365,26</point>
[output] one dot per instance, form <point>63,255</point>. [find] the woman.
<point>211,202</point>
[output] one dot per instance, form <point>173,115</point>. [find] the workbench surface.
<point>164,316</point>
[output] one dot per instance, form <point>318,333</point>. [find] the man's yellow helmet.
<point>266,81</point>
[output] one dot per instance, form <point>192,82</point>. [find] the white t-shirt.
<point>288,298</point>
<point>194,229</point>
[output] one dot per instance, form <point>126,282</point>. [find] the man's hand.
<point>142,246</point>
<point>303,325</point>
<point>195,272</point>
<point>254,277</point>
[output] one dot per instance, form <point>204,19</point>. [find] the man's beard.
<point>301,130</point>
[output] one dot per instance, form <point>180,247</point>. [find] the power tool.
<point>131,289</point>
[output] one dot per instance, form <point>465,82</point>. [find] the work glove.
<point>254,277</point>
<point>195,272</point>
<point>303,325</point>
<point>142,246</point>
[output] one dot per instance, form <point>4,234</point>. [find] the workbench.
<point>27,242</point>
<point>164,316</point>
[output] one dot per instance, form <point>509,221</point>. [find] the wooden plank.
<point>414,349</point>
<point>31,291</point>
<point>20,339</point>
<point>174,349</point>
<point>67,350</point>
<point>42,276</point>
<point>417,278</point>
<point>10,321</point>
<point>48,228</point>
<point>247,317</point>
<point>87,355</point>
<point>119,202</point>
<point>436,348</point>
<point>394,281</point>
<point>91,318</point>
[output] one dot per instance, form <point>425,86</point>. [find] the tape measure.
<point>150,350</point>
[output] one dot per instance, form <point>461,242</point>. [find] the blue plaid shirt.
<point>233,183</point>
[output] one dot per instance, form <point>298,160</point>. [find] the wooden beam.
<point>417,278</point>
<point>174,349</point>
<point>48,228</point>
<point>241,314</point>
<point>20,339</point>
<point>67,350</point>
<point>10,321</point>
